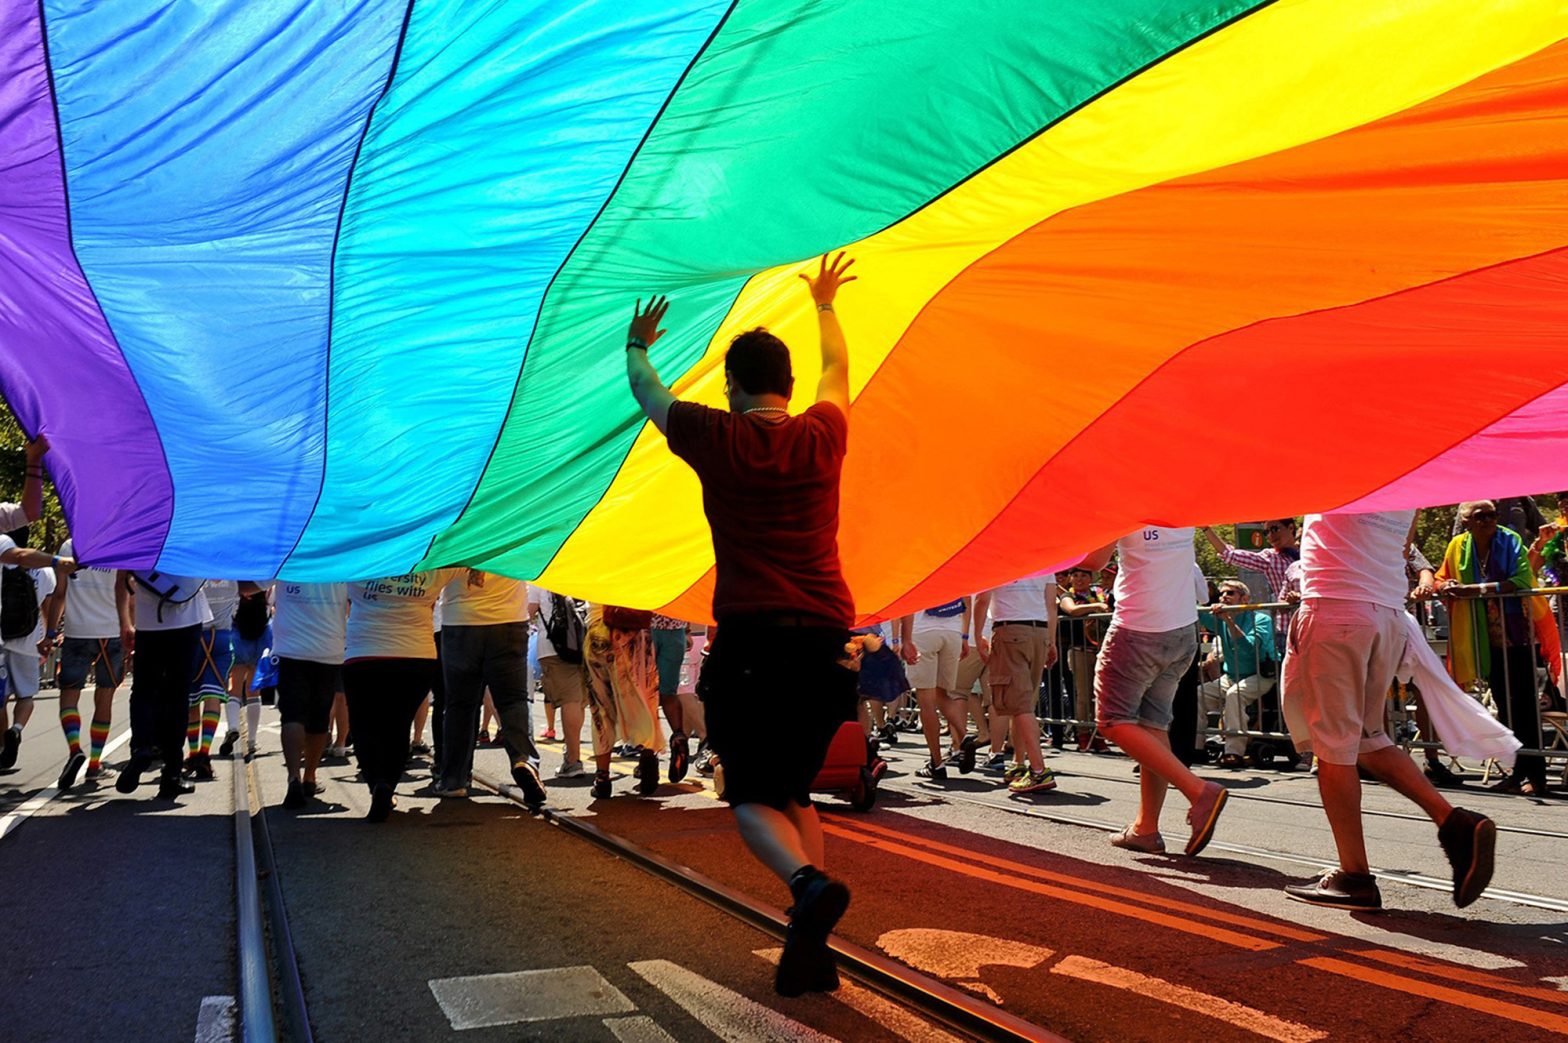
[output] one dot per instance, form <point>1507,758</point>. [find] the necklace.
<point>765,409</point>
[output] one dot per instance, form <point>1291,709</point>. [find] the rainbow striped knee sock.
<point>71,723</point>
<point>97,735</point>
<point>209,725</point>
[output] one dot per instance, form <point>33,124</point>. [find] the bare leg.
<point>1340,788</point>
<point>1151,747</point>
<point>674,712</point>
<point>421,715</point>
<point>773,837</point>
<point>809,826</point>
<point>315,746</point>
<point>864,713</point>
<point>957,713</point>
<point>982,725</point>
<point>930,723</point>
<point>1001,729</point>
<point>294,740</point>
<point>1026,740</point>
<point>1394,767</point>
<point>339,728</point>
<point>572,733</point>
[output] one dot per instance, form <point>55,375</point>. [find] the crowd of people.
<point>1106,653</point>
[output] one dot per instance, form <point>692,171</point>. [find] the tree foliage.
<point>50,530</point>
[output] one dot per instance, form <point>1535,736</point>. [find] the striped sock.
<point>193,729</point>
<point>97,735</point>
<point>71,722</point>
<point>209,725</point>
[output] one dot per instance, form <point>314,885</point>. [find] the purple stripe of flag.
<point>60,367</point>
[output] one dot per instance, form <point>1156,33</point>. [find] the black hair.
<point>759,363</point>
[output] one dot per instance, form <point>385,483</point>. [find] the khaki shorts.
<point>1339,662</point>
<point>564,683</point>
<point>972,671</point>
<point>938,665</point>
<point>1017,665</point>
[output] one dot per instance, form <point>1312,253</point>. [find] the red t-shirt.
<point>770,491</point>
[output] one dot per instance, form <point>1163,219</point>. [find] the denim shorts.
<point>101,657</point>
<point>1136,676</point>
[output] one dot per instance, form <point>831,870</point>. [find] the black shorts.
<point>305,692</point>
<point>101,657</point>
<point>773,698</point>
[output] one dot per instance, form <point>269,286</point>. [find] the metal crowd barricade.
<point>1544,732</point>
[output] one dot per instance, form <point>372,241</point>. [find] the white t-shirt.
<point>89,602</point>
<point>1356,557</point>
<point>926,623</point>
<point>1200,586</point>
<point>546,602</point>
<point>12,517</point>
<point>309,621</point>
<point>223,597</point>
<point>1154,585</point>
<point>1024,599</point>
<point>500,600</point>
<point>394,618</point>
<point>43,582</point>
<point>193,612</point>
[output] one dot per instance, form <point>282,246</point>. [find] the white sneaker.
<point>570,770</point>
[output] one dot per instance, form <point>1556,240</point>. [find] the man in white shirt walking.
<point>1021,649</point>
<point>1345,646</point>
<point>1151,641</point>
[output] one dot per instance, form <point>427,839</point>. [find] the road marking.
<point>1019,881</point>
<point>1251,923</point>
<point>48,793</point>
<point>1457,997</point>
<point>725,1013</point>
<point>1244,1017</point>
<point>1464,974</point>
<point>215,1020</point>
<point>958,954</point>
<point>485,1000</point>
<point>637,1029</point>
<point>879,1011</point>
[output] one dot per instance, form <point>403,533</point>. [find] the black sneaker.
<point>647,772</point>
<point>131,777</point>
<point>807,963</point>
<point>201,767</point>
<point>1441,774</point>
<point>172,787</point>
<point>73,769</point>
<point>966,754</point>
<point>1337,889</point>
<point>680,756</point>
<point>1469,840</point>
<point>602,790</point>
<point>527,778</point>
<point>226,748</point>
<point>10,745</point>
<point>294,799</point>
<point>996,764</point>
<point>932,770</point>
<point>382,800</point>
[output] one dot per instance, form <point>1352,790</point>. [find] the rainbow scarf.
<point>1469,647</point>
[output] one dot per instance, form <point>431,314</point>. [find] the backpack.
<point>566,629</point>
<point>170,590</point>
<point>250,619</point>
<point>18,604</point>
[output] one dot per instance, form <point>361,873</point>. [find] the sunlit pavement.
<point>466,913</point>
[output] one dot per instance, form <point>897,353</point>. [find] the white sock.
<point>231,710</point>
<point>253,719</point>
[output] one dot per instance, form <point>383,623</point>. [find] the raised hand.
<point>645,324</point>
<point>829,278</point>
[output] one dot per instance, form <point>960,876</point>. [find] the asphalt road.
<point>469,911</point>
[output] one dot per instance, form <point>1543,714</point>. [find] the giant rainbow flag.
<point>337,288</point>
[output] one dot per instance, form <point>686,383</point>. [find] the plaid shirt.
<point>1270,562</point>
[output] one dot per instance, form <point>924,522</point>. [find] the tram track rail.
<point>934,999</point>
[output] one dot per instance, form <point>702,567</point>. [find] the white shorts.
<point>938,664</point>
<point>18,672</point>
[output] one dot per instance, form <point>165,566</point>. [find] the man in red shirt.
<point>770,492</point>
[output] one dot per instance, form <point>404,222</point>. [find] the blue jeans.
<point>472,659</point>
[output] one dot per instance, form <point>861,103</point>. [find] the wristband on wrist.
<point>54,562</point>
<point>636,342</point>
<point>825,307</point>
<point>35,472</point>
